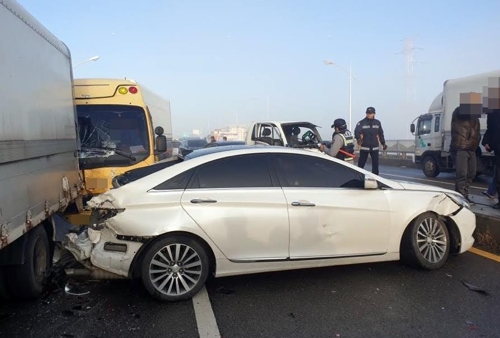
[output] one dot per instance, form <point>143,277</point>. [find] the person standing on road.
<point>492,188</point>
<point>465,138</point>
<point>491,142</point>
<point>342,142</point>
<point>369,134</point>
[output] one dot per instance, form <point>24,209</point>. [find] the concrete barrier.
<point>487,233</point>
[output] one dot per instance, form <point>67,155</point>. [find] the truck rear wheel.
<point>4,291</point>
<point>28,279</point>
<point>430,166</point>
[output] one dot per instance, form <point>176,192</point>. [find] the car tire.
<point>28,280</point>
<point>4,289</point>
<point>426,242</point>
<point>175,275</point>
<point>430,166</point>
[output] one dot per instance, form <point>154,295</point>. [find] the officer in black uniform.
<point>369,134</point>
<point>342,142</point>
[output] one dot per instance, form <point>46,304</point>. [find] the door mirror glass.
<point>412,128</point>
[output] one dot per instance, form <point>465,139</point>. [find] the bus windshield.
<point>108,127</point>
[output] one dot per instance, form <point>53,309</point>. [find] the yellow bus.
<point>117,124</point>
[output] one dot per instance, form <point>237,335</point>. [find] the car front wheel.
<point>175,268</point>
<point>426,242</point>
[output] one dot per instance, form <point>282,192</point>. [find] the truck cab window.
<point>437,123</point>
<point>424,127</point>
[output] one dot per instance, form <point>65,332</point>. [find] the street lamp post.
<point>94,58</point>
<point>349,72</point>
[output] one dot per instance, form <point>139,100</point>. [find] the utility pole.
<point>408,50</point>
<point>268,108</point>
<point>411,93</point>
<point>349,72</point>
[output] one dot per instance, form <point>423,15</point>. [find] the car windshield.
<point>113,126</point>
<point>301,134</point>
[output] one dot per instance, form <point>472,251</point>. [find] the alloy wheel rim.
<point>431,240</point>
<point>175,269</point>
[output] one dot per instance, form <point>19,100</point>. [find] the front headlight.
<point>459,200</point>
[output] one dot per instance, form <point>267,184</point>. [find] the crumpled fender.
<point>443,205</point>
<point>102,201</point>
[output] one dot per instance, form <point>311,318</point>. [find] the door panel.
<point>337,222</point>
<point>245,224</point>
<point>241,207</point>
<point>331,214</point>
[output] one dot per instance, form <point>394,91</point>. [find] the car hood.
<point>424,187</point>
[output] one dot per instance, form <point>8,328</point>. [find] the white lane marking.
<point>205,318</point>
<point>425,180</point>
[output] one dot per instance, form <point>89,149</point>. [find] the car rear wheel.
<point>426,242</point>
<point>175,268</point>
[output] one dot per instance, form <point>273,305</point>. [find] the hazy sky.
<point>218,61</point>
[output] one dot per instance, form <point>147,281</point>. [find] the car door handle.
<point>203,200</point>
<point>303,204</point>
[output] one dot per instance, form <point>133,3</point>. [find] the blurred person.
<point>491,142</point>
<point>465,138</point>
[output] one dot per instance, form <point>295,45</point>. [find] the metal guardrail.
<point>401,149</point>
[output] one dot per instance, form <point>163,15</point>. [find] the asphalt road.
<point>368,300</point>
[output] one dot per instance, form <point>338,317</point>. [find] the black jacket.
<point>465,132</point>
<point>369,134</point>
<point>492,135</point>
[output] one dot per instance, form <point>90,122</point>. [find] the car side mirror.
<point>370,183</point>
<point>412,128</point>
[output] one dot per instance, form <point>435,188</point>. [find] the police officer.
<point>342,141</point>
<point>369,134</point>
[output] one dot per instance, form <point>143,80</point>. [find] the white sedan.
<point>251,209</point>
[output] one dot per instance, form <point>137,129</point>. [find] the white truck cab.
<point>432,130</point>
<point>285,134</point>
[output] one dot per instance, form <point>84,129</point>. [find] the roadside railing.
<point>398,149</point>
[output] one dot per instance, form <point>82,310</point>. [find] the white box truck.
<point>39,173</point>
<point>433,130</point>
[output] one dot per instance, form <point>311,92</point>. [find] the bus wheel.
<point>430,166</point>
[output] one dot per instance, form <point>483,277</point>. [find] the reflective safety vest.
<point>346,152</point>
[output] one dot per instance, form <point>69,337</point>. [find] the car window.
<point>177,182</point>
<point>243,171</point>
<point>197,143</point>
<point>313,172</point>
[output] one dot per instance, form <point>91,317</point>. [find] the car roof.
<point>198,157</point>
<point>213,150</point>
<point>226,143</point>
